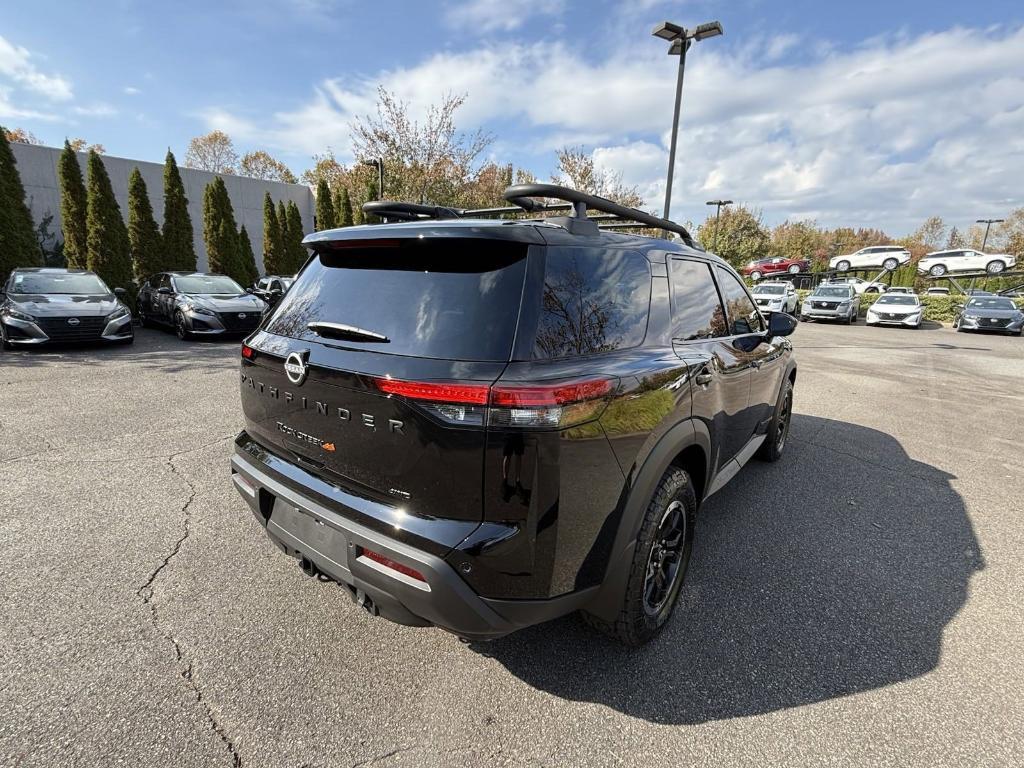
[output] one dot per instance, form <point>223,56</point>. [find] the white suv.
<point>859,285</point>
<point>875,256</point>
<point>775,297</point>
<point>939,263</point>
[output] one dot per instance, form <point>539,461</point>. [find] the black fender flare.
<point>645,478</point>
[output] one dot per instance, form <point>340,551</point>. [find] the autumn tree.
<point>273,243</point>
<point>931,234</point>
<point>325,216</point>
<point>108,248</point>
<point>342,207</point>
<point>72,207</point>
<point>220,232</point>
<point>81,145</point>
<point>178,239</point>
<point>261,165</point>
<point>212,152</point>
<point>956,240</point>
<point>21,136</point>
<point>428,161</point>
<point>799,240</point>
<point>18,246</point>
<point>577,169</point>
<point>739,236</point>
<point>247,257</point>
<point>326,167</point>
<point>143,233</point>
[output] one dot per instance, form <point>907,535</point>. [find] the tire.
<point>647,604</point>
<point>852,319</point>
<point>778,429</point>
<point>755,276</point>
<point>179,327</point>
<point>843,266</point>
<point>995,267</point>
<point>870,290</point>
<point>794,269</point>
<point>890,264</point>
<point>937,270</point>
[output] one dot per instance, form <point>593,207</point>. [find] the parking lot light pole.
<point>680,39</point>
<point>378,163</point>
<point>988,223</point>
<point>718,215</point>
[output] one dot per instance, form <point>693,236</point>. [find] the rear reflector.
<point>387,562</point>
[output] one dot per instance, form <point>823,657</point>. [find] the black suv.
<point>198,304</point>
<point>485,424</point>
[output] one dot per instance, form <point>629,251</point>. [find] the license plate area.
<point>312,537</point>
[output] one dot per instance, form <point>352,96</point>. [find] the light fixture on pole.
<point>718,214</point>
<point>378,163</point>
<point>988,223</point>
<point>680,39</point>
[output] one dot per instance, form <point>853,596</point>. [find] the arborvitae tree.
<point>296,251</point>
<point>247,258</point>
<point>273,243</point>
<point>286,238</point>
<point>18,245</point>
<point>342,207</point>
<point>324,206</point>
<point>109,253</point>
<point>220,233</point>
<point>143,233</point>
<point>371,195</point>
<point>72,207</point>
<point>178,243</point>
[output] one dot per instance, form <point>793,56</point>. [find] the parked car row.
<point>48,304</point>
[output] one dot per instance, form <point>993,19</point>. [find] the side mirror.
<point>780,324</point>
<point>119,291</point>
<point>163,289</point>
<point>249,290</point>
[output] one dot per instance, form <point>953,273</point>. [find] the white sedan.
<point>939,263</point>
<point>896,309</point>
<point>874,257</point>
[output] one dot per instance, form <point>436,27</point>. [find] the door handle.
<point>703,378</point>
<point>755,364</point>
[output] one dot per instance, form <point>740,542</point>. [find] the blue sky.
<point>868,114</point>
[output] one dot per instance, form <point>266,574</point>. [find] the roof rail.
<point>522,194</point>
<point>612,216</point>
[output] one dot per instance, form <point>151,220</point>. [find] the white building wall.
<point>37,166</point>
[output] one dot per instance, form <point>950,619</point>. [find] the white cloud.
<point>131,90</point>
<point>98,109</point>
<point>881,134</point>
<point>16,67</point>
<point>498,15</point>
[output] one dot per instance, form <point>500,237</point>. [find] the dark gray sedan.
<point>41,305</point>
<point>989,313</point>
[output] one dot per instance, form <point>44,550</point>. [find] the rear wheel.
<point>937,270</point>
<point>794,269</point>
<point>660,560</point>
<point>995,267</point>
<point>778,430</point>
<point>891,264</point>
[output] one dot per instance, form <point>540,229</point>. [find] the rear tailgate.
<point>402,310</point>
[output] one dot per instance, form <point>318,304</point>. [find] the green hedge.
<point>938,308</point>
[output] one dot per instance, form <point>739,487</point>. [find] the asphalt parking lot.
<point>860,602</point>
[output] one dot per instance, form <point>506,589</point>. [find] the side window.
<point>275,285</point>
<point>163,281</point>
<point>262,284</point>
<point>696,308</point>
<point>593,301</point>
<point>742,314</point>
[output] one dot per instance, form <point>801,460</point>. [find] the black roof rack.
<point>612,216</point>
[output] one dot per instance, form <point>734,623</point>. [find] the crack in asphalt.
<point>147,590</point>
<point>385,756</point>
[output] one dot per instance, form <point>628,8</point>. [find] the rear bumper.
<point>328,542</point>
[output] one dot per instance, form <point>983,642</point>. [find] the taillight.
<point>546,405</point>
<point>248,352</point>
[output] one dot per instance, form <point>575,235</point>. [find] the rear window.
<point>593,301</point>
<point>452,299</point>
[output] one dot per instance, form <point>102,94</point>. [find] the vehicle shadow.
<point>153,348</point>
<point>831,572</point>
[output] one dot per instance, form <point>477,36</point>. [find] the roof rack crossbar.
<point>522,194</point>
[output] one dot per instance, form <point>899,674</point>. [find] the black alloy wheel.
<point>665,559</point>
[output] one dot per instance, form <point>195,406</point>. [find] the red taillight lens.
<point>394,565</point>
<point>248,352</point>
<point>544,406</point>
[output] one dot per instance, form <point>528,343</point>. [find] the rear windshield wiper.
<point>349,332</point>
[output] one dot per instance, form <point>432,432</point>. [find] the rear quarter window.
<point>594,300</point>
